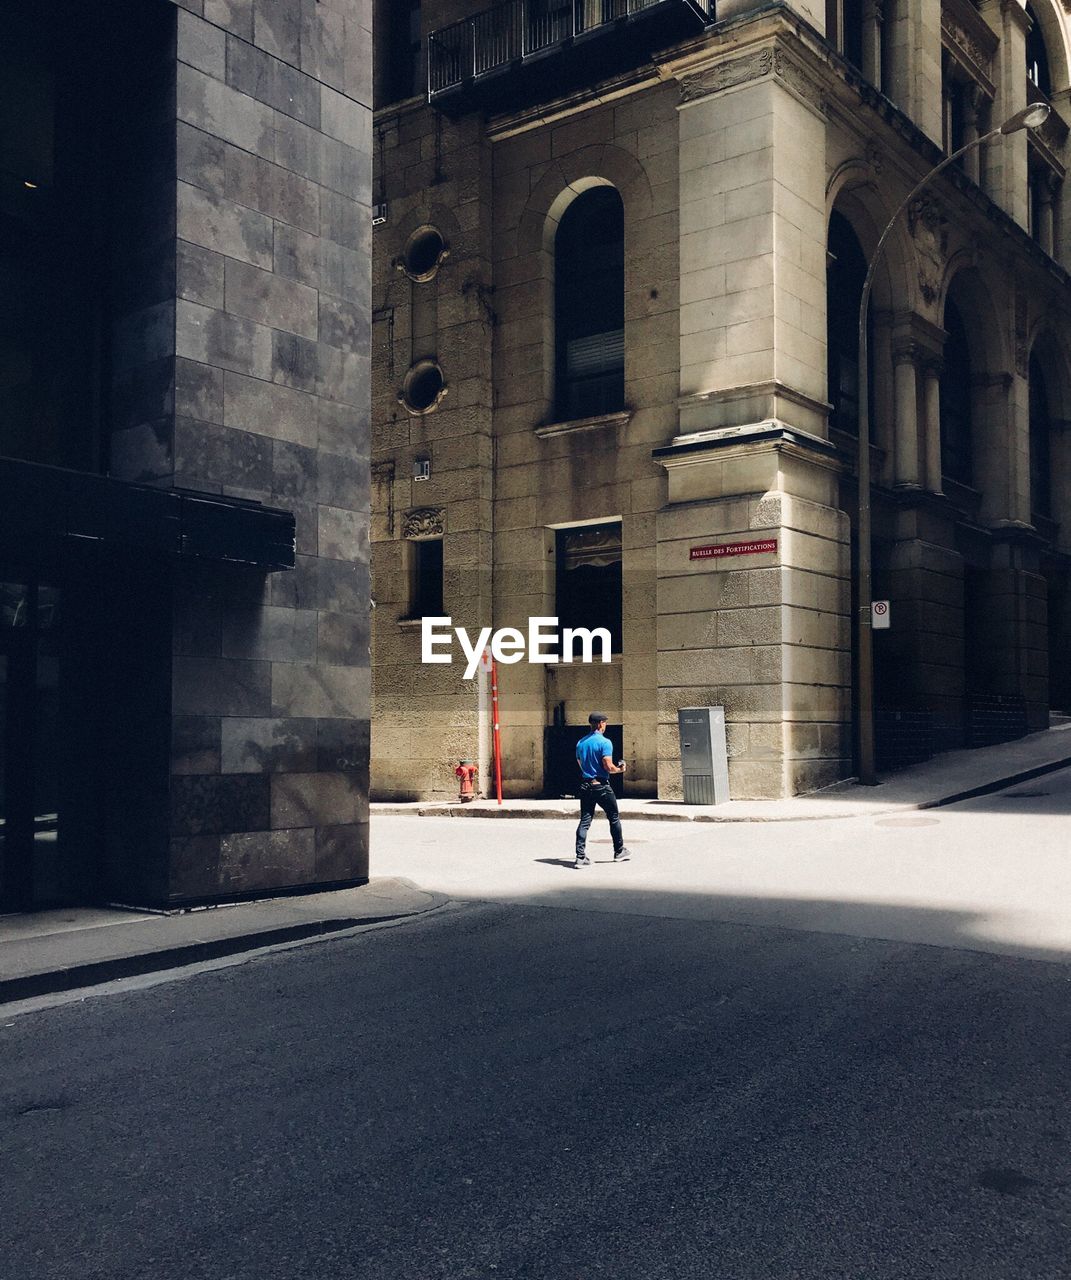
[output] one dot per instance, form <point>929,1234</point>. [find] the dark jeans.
<point>601,794</point>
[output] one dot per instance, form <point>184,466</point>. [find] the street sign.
<point>880,618</point>
<point>715,551</point>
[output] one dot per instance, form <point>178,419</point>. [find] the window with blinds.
<point>589,311</point>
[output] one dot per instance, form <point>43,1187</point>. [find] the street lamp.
<point>1031,117</point>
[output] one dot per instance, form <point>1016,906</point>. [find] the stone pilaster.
<point>1006,161</point>
<point>912,35</point>
<point>766,634</point>
<point>753,241</point>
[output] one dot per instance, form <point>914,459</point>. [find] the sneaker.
<point>622,855</point>
<point>582,861</point>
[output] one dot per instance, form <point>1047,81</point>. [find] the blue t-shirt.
<point>590,751</point>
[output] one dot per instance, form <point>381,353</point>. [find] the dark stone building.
<point>184,390</point>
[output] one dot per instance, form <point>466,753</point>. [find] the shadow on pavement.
<point>509,1091</point>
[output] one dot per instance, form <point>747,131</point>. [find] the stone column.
<point>873,18</point>
<point>906,397</point>
<point>931,399</point>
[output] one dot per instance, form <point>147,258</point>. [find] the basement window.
<point>426,578</point>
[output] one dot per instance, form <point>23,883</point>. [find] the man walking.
<point>594,755</point>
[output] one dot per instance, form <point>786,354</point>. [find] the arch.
<point>965,282</point>
<point>1049,410</point>
<point>957,399</point>
<point>987,403</point>
<point>1048,345</point>
<point>570,177</point>
<point>566,181</point>
<point>852,197</point>
<point>852,193</point>
<point>846,268</point>
<point>1040,430</point>
<point>1049,26</point>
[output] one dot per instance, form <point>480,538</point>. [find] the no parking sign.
<point>880,618</point>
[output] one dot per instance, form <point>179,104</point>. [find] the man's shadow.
<point>568,862</point>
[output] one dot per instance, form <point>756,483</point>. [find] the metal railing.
<point>517,29</point>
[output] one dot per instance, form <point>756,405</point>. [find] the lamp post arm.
<point>868,281</point>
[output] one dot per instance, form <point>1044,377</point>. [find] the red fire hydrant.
<point>466,771</point>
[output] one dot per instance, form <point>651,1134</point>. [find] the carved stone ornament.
<point>752,66</point>
<point>792,74</point>
<point>929,225</point>
<point>424,522</point>
<point>875,159</point>
<point>966,44</point>
<point>929,285</point>
<point>727,75</point>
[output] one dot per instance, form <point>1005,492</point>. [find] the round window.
<point>423,388</point>
<point>423,254</point>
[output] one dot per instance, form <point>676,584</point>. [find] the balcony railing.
<point>515,31</point>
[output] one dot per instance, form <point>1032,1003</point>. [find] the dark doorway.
<point>34,865</point>
<point>561,776</point>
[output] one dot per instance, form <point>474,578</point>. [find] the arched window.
<point>1037,60</point>
<point>845,273</point>
<point>956,400</point>
<point>1040,427</point>
<point>589,306</point>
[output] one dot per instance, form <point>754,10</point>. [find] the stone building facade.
<point>184,448</point>
<point>663,424</point>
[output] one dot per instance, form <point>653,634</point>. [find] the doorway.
<point>34,868</point>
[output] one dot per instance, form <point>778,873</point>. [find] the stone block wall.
<point>267,339</point>
<point>764,635</point>
<point>432,173</point>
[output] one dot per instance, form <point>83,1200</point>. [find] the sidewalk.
<point>947,778</point>
<point>49,951</point>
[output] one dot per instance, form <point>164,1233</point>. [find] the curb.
<point>452,810</point>
<point>987,788</point>
<point>95,974</point>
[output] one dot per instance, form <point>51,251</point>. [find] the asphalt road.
<point>537,1091</point>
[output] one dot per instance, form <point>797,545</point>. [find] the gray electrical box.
<point>704,760</point>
